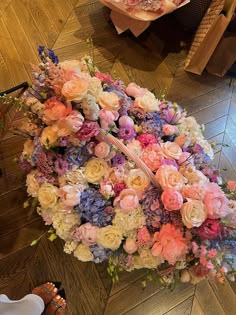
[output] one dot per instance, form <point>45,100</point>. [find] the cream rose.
<point>193,213</point>
<point>47,195</point>
<point>109,237</point>
<point>169,177</point>
<point>137,180</point>
<point>32,184</point>
<point>83,253</point>
<point>95,87</point>
<point>171,150</point>
<point>147,102</point>
<point>95,170</point>
<point>49,136</point>
<point>75,90</point>
<point>109,101</point>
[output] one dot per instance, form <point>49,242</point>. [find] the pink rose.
<point>75,90</point>
<point>107,119</point>
<point>130,246</point>
<point>170,244</point>
<point>102,150</point>
<point>169,177</point>
<point>215,201</point>
<point>70,195</point>
<point>152,157</point>
<point>127,200</point>
<point>171,150</point>
<point>86,233</point>
<point>88,130</point>
<point>193,192</point>
<point>109,101</point>
<point>106,189</point>
<point>54,110</point>
<point>231,185</point>
<point>134,90</point>
<point>74,121</point>
<point>172,199</point>
<point>210,229</point>
<point>169,130</point>
<point>193,213</point>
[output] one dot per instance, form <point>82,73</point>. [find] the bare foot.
<point>56,307</point>
<point>46,291</point>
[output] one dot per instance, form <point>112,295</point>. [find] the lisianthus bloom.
<point>215,202</point>
<point>74,121</point>
<point>210,229</point>
<point>170,244</point>
<point>172,199</point>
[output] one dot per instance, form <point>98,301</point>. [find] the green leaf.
<point>35,242</point>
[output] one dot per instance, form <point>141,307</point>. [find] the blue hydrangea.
<point>153,124</point>
<point>78,155</point>
<point>92,208</point>
<point>100,253</point>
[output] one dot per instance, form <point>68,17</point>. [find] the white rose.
<point>32,184</point>
<point>47,195</point>
<point>109,237</point>
<point>90,108</point>
<point>148,102</point>
<point>193,213</point>
<point>171,150</point>
<point>83,253</point>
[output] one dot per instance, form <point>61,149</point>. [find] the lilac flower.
<point>100,253</point>
<point>127,133</point>
<point>118,160</point>
<point>91,207</point>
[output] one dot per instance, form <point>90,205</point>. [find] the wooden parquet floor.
<point>154,60</point>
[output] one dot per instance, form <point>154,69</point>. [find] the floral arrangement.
<point>146,10</point>
<point>124,176</point>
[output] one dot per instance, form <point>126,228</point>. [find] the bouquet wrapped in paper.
<point>125,176</point>
<point>137,15</point>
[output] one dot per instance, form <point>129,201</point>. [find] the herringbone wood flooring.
<point>155,61</point>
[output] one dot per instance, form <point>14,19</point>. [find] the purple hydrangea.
<point>91,208</point>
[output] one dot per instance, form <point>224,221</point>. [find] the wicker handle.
<point>108,138</point>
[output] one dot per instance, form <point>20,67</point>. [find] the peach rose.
<point>169,130</point>
<point>193,192</point>
<point>135,91</point>
<point>54,110</point>
<point>75,90</point>
<point>130,246</point>
<point>127,200</point>
<point>171,150</point>
<point>169,177</point>
<point>74,121</point>
<point>231,185</point>
<point>152,157</point>
<point>102,150</point>
<point>193,213</point>
<point>70,195</point>
<point>215,201</point>
<point>109,101</point>
<point>172,199</point>
<point>170,244</point>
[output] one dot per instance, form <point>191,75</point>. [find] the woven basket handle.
<point>109,139</point>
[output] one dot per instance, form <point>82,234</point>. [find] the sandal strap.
<point>59,308</point>
<point>42,286</point>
